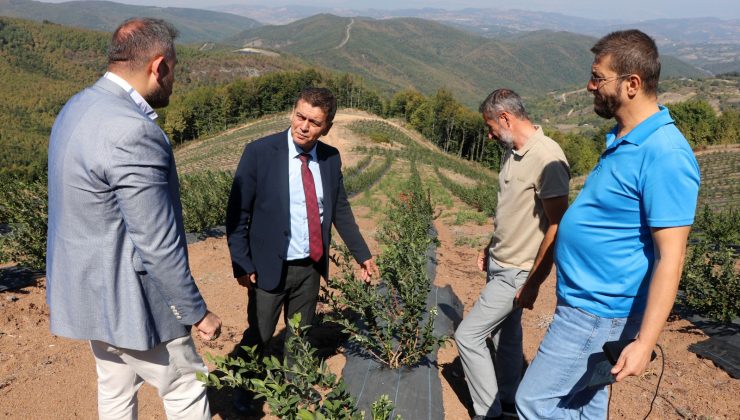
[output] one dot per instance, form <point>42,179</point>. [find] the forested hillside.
<point>394,54</point>
<point>568,108</point>
<point>43,64</point>
<point>195,25</point>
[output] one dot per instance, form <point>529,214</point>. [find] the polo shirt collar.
<point>642,132</point>
<point>294,150</point>
<point>531,142</point>
<point>135,96</point>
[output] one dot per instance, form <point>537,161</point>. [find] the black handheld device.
<point>612,350</point>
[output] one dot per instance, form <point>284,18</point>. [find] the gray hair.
<point>138,40</point>
<point>503,100</point>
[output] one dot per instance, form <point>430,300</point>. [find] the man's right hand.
<point>209,328</point>
<point>483,259</point>
<point>527,295</point>
<point>248,280</point>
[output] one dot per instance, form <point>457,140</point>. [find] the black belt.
<point>303,262</point>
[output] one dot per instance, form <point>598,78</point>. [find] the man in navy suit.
<point>287,193</point>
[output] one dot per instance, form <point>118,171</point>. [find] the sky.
<point>631,10</point>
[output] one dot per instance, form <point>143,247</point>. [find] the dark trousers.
<point>298,293</point>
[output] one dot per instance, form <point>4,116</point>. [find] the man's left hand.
<point>527,295</point>
<point>369,269</point>
<point>633,360</point>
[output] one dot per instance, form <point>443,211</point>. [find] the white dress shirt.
<point>138,99</point>
<point>298,247</point>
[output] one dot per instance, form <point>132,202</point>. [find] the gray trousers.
<point>298,292</point>
<point>489,381</point>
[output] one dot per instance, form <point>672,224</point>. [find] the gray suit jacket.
<point>117,263</point>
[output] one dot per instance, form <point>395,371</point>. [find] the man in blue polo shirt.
<point>620,247</point>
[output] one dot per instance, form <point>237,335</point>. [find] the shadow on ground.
<point>13,278</point>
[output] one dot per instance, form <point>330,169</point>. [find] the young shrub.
<point>204,197</point>
<point>394,325</point>
<point>711,278</point>
<point>24,208</point>
<point>298,387</point>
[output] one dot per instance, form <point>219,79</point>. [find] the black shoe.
<point>244,402</point>
<point>509,410</point>
<point>482,417</point>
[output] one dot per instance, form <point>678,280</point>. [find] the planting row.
<point>481,196</point>
<point>382,132</point>
<point>360,180</point>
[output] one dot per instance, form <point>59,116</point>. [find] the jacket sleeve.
<point>139,175</point>
<point>239,213</point>
<point>344,221</point>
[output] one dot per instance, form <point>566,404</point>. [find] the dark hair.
<point>138,40</point>
<point>501,100</point>
<point>319,97</point>
<point>632,52</point>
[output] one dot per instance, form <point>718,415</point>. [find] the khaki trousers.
<point>170,367</point>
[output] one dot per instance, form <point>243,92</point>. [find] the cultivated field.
<point>47,377</point>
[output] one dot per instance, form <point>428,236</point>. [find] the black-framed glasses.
<point>600,81</point>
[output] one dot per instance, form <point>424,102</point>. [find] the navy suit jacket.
<point>258,213</point>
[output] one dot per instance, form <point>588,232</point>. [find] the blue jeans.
<point>559,384</point>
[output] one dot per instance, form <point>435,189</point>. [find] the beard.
<point>506,138</point>
<point>605,106</point>
<point>159,99</point>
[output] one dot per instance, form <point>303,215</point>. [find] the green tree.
<point>728,127</point>
<point>404,103</point>
<point>696,120</point>
<point>582,152</point>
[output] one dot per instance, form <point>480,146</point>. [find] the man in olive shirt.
<point>532,197</point>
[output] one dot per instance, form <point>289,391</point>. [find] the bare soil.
<point>48,377</point>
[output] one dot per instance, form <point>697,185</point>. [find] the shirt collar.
<point>531,141</point>
<point>138,99</point>
<point>639,134</point>
<point>294,150</point>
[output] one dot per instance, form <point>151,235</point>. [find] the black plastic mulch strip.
<point>722,352</point>
<point>417,391</point>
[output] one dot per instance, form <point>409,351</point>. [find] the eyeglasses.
<point>601,81</point>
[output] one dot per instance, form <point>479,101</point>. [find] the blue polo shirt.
<point>646,179</point>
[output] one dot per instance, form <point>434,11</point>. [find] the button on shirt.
<point>298,246</point>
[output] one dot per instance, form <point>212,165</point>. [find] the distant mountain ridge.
<point>414,53</point>
<point>195,25</point>
<point>712,44</point>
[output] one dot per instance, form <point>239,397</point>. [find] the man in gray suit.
<point>117,262</point>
